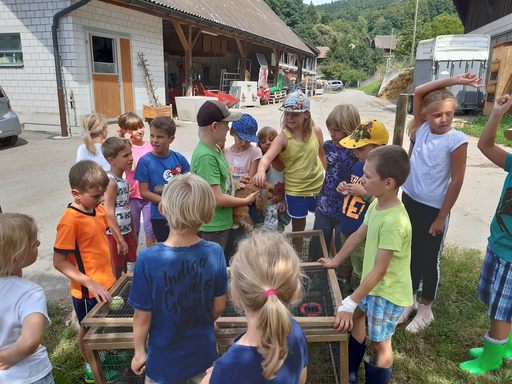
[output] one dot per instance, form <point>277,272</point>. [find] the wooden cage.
<point>111,329</point>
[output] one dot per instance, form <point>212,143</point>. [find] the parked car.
<point>10,126</point>
<point>335,85</point>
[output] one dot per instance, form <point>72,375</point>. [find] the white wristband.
<point>347,305</point>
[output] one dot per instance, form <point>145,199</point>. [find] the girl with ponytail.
<point>95,126</point>
<point>265,280</point>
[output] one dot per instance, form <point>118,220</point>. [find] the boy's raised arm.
<point>486,143</point>
<point>278,145</point>
<point>223,200</point>
<point>141,325</point>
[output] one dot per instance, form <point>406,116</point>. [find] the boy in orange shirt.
<point>82,250</point>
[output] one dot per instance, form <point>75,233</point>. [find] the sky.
<point>317,2</point>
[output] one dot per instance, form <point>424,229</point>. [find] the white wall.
<point>32,88</point>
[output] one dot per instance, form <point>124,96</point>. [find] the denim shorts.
<point>298,207</point>
<point>382,316</point>
<point>48,379</point>
<point>495,286</point>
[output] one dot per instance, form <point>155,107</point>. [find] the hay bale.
<point>400,84</point>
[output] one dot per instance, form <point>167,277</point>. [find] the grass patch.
<point>477,126</point>
<point>61,341</point>
<point>434,355</point>
<point>371,89</point>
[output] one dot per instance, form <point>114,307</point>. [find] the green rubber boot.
<point>507,353</point>
<point>489,360</point>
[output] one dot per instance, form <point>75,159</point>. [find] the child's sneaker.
<point>88,376</point>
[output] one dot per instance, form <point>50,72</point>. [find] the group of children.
<point>383,247</point>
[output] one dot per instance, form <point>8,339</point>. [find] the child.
<point>275,176</point>
<point>23,312</point>
<point>265,280</point>
<point>341,122</point>
<point>356,200</point>
<point>157,168</point>
<point>300,145</point>
<point>96,131</point>
<point>493,288</point>
<point>209,162</point>
<point>386,282</point>
<point>179,290</point>
<point>121,233</point>
<point>438,162</point>
<point>242,157</point>
<point>82,250</point>
<point>132,128</point>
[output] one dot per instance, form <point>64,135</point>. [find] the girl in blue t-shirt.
<point>265,280</point>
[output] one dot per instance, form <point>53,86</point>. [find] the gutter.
<point>56,56</point>
<point>151,5</point>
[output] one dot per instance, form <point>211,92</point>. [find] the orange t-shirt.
<point>82,236</point>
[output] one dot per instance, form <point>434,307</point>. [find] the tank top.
<point>276,178</point>
<point>122,208</point>
<point>304,174</point>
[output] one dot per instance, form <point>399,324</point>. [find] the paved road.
<point>34,180</point>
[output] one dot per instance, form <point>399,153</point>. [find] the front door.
<point>111,74</point>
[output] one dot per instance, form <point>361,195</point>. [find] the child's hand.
<point>342,188</point>
<point>282,207</point>
<point>139,364</point>
<point>356,190</point>
<point>246,179</point>
<point>470,80</point>
<point>328,263</point>
<point>502,105</point>
<point>206,379</point>
<point>99,292</point>
<point>5,361</point>
<point>343,322</point>
<point>259,178</point>
<point>122,247</point>
<point>437,226</point>
<point>238,185</point>
<point>251,198</point>
<point>127,135</point>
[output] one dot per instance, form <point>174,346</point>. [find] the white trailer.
<point>451,55</point>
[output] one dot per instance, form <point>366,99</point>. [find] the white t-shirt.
<point>20,298</point>
<point>83,154</point>
<point>240,162</point>
<point>431,165</point>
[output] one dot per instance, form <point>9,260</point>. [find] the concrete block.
<point>187,106</point>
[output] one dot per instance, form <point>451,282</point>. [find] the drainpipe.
<point>56,55</point>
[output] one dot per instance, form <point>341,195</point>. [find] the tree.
<point>308,32</point>
<point>293,12</point>
<point>275,6</point>
<point>312,14</point>
<point>445,24</point>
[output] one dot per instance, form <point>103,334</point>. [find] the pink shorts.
<point>131,256</point>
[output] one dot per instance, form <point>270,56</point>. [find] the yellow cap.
<point>369,132</point>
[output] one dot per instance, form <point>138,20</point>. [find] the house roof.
<point>323,52</point>
<point>384,41</point>
<point>252,18</point>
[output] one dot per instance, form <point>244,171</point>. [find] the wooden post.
<point>400,119</point>
<point>187,46</point>
<point>242,45</point>
<point>298,81</point>
<point>277,56</point>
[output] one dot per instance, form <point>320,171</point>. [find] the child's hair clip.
<point>119,130</point>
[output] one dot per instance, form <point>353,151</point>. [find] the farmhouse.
<point>99,41</point>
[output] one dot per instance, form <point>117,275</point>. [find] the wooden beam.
<point>299,69</point>
<point>194,41</point>
<point>240,47</point>
<point>181,35</point>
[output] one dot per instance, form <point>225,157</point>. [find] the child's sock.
<point>422,320</point>
<point>88,367</point>
<point>408,310</point>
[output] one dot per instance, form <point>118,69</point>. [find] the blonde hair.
<point>307,126</point>
<point>264,132</point>
<point>187,202</point>
<point>93,125</point>
<point>129,121</point>
<point>87,174</point>
<point>344,117</point>
<point>113,145</point>
<point>266,261</point>
<point>16,230</point>
<point>435,97</point>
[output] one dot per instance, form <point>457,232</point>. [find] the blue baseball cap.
<point>246,128</point>
<point>296,102</point>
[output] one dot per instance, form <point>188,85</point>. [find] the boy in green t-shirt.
<point>209,162</point>
<point>385,287</point>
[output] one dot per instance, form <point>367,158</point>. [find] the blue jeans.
<point>48,379</point>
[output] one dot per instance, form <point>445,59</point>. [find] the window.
<point>104,54</point>
<point>10,49</point>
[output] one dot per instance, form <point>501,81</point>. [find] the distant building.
<point>386,43</point>
<point>322,56</point>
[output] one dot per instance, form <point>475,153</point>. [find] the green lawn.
<point>432,356</point>
<point>372,89</point>
<point>477,126</point>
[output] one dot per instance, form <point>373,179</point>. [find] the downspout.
<point>56,56</point>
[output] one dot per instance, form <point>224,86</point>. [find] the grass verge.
<point>371,89</point>
<point>431,356</point>
<point>477,126</point>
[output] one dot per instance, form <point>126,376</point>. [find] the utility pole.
<point>414,31</point>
